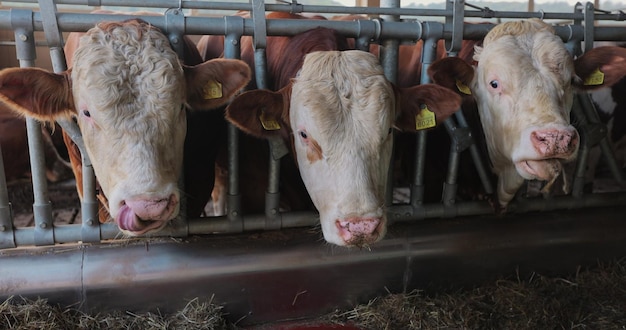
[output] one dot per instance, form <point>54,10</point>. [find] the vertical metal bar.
<point>22,24</point>
<point>90,227</point>
<point>476,157</point>
<point>583,150</point>
<point>450,184</point>
<point>7,234</point>
<point>456,20</point>
<point>232,49</point>
<point>277,146</point>
<point>175,30</point>
<point>389,60</point>
<point>429,54</point>
<point>589,25</point>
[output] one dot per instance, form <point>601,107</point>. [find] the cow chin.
<point>544,170</point>
<point>355,231</point>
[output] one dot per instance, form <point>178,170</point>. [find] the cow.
<point>522,82</point>
<point>14,146</point>
<point>337,111</point>
<point>141,112</point>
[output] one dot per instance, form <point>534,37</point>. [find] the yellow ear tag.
<point>595,78</point>
<point>425,118</point>
<point>212,90</point>
<point>269,124</point>
<point>463,88</point>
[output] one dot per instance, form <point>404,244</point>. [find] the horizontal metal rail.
<point>379,31</point>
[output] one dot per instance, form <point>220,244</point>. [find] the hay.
<point>21,314</point>
<point>590,299</point>
<point>593,299</point>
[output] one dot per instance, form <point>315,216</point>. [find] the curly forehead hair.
<point>516,28</point>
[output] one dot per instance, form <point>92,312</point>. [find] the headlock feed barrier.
<point>259,276</point>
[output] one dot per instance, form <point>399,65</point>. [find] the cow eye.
<point>494,84</point>
<point>303,134</point>
<point>86,113</point>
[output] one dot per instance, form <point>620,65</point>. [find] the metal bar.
<point>396,213</point>
<point>232,49</point>
<point>90,229</point>
<point>210,5</point>
<point>476,156</point>
<point>277,146</point>
<point>243,274</point>
<point>7,239</point>
<point>406,30</point>
<point>450,183</point>
<point>589,26</point>
<point>453,45</point>
<point>21,22</point>
<point>388,56</point>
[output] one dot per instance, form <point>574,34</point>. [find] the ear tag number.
<point>595,78</point>
<point>269,124</point>
<point>424,118</point>
<point>212,90</point>
<point>463,88</point>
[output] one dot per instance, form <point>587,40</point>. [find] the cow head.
<point>523,85</point>
<point>339,121</point>
<point>128,92</point>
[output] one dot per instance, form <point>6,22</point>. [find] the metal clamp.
<point>175,30</point>
<point>589,16</point>
<point>457,6</point>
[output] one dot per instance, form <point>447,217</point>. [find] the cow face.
<point>342,125</point>
<point>129,94</point>
<point>523,86</point>
<point>338,114</point>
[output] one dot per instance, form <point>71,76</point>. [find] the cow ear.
<point>425,106</point>
<point>601,67</point>
<point>37,93</point>
<point>213,83</point>
<point>261,113</point>
<point>452,73</point>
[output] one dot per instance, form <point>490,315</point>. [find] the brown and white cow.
<point>523,83</point>
<point>337,111</point>
<point>129,93</point>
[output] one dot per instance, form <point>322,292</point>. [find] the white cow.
<point>338,113</point>
<point>128,91</point>
<point>523,84</point>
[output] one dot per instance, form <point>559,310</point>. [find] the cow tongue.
<point>126,219</point>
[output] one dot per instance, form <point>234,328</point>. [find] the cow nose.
<point>555,143</point>
<point>359,231</point>
<point>157,209</point>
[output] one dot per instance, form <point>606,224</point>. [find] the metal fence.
<point>580,31</point>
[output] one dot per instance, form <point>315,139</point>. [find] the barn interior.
<point>275,266</point>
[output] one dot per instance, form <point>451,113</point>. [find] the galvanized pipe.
<point>214,25</point>
<point>6,222</point>
<point>232,49</point>
<point>253,276</point>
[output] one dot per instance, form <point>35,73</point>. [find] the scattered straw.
<point>21,314</point>
<point>590,299</point>
<point>593,299</point>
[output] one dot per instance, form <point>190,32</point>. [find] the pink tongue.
<point>126,218</point>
